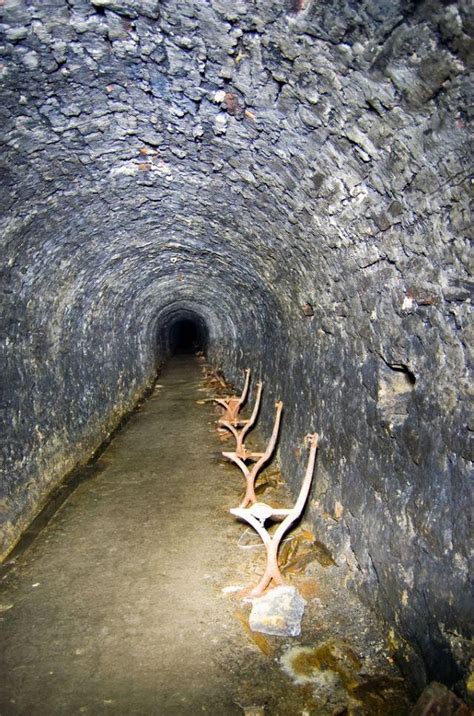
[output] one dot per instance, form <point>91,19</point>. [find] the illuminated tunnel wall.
<point>293,177</point>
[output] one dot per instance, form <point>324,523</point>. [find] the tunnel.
<point>185,337</point>
<point>280,186</point>
<point>183,332</point>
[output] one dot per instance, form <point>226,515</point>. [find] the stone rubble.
<point>278,612</point>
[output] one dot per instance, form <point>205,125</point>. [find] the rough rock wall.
<point>294,173</point>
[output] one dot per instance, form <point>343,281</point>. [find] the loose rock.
<point>279,612</point>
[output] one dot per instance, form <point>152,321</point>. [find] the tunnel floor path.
<point>124,603</point>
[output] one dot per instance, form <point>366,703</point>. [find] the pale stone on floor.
<point>279,612</point>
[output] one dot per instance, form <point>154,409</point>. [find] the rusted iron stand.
<point>250,474</point>
<point>240,428</point>
<point>259,513</point>
<point>233,403</point>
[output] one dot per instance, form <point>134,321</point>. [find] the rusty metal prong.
<point>258,513</point>
<point>245,455</point>
<point>251,474</point>
<point>249,455</point>
<point>240,428</point>
<point>238,461</point>
<point>243,395</point>
<point>233,403</point>
<point>236,423</point>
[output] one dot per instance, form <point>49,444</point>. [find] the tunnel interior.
<point>285,187</point>
<point>185,337</point>
<point>187,334</point>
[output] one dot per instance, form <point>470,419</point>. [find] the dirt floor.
<point>128,601</point>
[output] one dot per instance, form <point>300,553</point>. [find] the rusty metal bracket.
<point>240,428</point>
<point>233,403</point>
<point>259,513</point>
<point>261,458</point>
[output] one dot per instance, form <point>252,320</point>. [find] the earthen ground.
<point>121,605</point>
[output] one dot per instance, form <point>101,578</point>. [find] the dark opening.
<point>186,336</point>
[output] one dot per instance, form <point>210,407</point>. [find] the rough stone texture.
<point>437,700</point>
<point>239,162</point>
<point>278,612</point>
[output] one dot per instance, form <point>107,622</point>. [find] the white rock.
<point>220,123</point>
<point>279,612</point>
<point>126,169</point>
<point>31,60</point>
<point>219,96</point>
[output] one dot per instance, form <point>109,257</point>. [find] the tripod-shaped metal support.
<point>240,428</point>
<point>258,513</point>
<point>250,474</point>
<point>233,403</point>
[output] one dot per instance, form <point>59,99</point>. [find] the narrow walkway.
<point>113,607</point>
<point>118,606</point>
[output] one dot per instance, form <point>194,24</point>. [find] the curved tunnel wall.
<point>296,175</point>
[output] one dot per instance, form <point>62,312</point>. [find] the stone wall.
<point>297,175</point>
